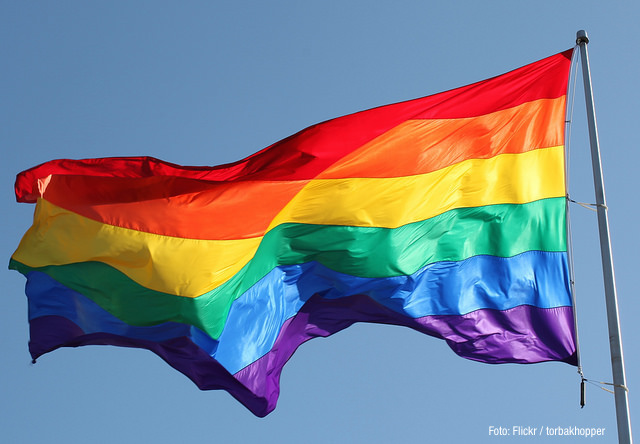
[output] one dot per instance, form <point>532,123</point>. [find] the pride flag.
<point>445,214</point>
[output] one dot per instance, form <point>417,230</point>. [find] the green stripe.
<point>497,230</point>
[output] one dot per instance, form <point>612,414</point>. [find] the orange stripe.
<point>423,146</point>
<point>175,206</point>
<point>197,209</point>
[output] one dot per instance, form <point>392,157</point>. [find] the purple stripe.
<point>522,334</point>
<point>51,332</point>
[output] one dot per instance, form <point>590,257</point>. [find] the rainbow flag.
<point>445,214</point>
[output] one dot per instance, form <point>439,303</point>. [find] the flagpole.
<point>611,298</point>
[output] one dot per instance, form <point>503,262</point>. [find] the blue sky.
<point>205,83</point>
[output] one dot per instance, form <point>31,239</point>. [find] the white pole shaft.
<point>611,298</point>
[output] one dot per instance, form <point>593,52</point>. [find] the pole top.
<point>581,37</point>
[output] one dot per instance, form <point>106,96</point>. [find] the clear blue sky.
<point>204,83</point>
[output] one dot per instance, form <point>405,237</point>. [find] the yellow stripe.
<point>392,202</point>
<point>184,267</point>
<point>191,267</point>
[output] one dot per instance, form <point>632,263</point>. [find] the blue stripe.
<point>533,278</point>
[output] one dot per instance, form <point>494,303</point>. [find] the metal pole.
<point>611,298</point>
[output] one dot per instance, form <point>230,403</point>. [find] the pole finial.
<point>581,37</point>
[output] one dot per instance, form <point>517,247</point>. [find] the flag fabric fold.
<point>445,214</point>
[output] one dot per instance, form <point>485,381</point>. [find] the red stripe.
<point>545,79</point>
<point>306,154</point>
